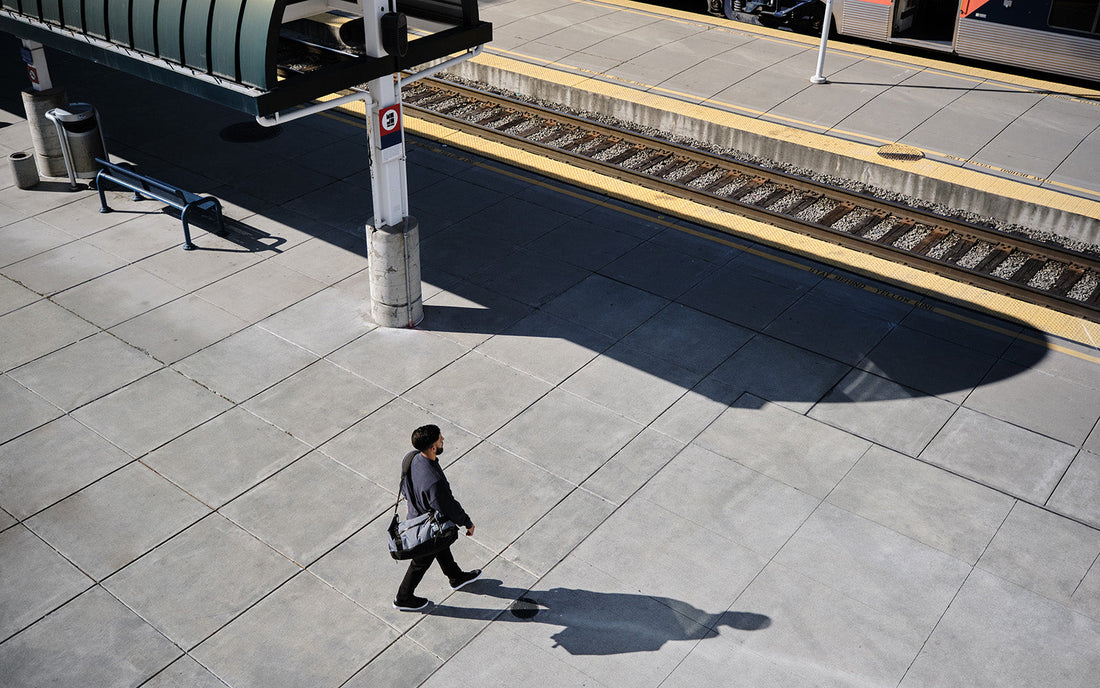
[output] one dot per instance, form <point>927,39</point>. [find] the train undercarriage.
<point>804,16</point>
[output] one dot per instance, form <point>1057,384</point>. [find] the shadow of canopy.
<point>815,339</point>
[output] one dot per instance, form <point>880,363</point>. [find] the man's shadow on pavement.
<point>600,623</point>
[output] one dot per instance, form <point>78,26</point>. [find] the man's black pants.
<point>419,566</point>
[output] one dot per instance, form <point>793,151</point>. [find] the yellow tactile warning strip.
<point>723,114</point>
<point>1042,319</point>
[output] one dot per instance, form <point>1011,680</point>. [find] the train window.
<point>1078,15</point>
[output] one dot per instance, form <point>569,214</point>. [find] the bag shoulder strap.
<point>406,465</point>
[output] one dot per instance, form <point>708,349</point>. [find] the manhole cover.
<point>524,608</point>
<point>897,151</point>
<point>249,132</point>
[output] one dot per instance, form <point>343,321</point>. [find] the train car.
<point>1054,36</point>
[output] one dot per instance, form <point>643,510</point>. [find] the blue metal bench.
<point>143,186</point>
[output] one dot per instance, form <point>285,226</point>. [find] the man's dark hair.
<point>425,436</point>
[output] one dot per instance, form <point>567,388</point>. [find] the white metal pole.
<point>393,238</point>
<point>819,76</point>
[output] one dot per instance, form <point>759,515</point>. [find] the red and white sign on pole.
<point>35,59</point>
<point>389,126</point>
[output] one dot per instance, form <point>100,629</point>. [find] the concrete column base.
<point>394,254</point>
<point>47,146</point>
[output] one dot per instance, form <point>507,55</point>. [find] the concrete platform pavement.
<point>698,461</point>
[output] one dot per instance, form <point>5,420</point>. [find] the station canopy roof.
<point>257,56</point>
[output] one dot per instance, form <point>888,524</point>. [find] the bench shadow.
<point>602,623</point>
<point>248,238</point>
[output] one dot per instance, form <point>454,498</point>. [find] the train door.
<point>929,23</point>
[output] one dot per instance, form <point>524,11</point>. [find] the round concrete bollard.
<point>47,146</point>
<point>23,170</point>
<point>394,254</point>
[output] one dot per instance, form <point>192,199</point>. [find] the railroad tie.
<point>699,171</point>
<point>931,239</point>
<point>1028,270</point>
<point>1094,299</point>
<point>840,210</point>
<point>864,226</point>
<point>537,125</point>
<point>808,199</point>
<point>773,196</point>
<point>602,147</point>
<point>1068,277</point>
<point>482,109</point>
<point>899,230</point>
<point>581,142</point>
<point>745,189</point>
<point>657,158</point>
<point>960,249</point>
<point>625,155</point>
<point>724,180</point>
<point>561,133</point>
<point>434,99</point>
<point>498,118</point>
<point>995,258</point>
<point>455,106</point>
<point>677,164</point>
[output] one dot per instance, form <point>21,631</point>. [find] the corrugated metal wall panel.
<point>169,31</point>
<point>118,21</point>
<point>1058,53</point>
<point>95,18</point>
<point>73,14</point>
<point>866,19</point>
<point>232,39</point>
<point>143,21</point>
<point>51,11</point>
<point>224,35</point>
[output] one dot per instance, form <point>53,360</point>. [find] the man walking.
<point>427,490</point>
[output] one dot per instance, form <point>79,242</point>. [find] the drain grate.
<point>249,132</point>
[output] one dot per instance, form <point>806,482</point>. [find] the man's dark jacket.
<point>430,490</point>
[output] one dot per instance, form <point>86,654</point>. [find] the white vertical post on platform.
<point>39,99</point>
<point>393,238</point>
<point>34,56</point>
<point>819,76</point>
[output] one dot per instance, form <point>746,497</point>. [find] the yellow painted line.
<point>1042,319</point>
<point>722,117</point>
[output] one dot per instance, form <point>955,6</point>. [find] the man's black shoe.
<point>413,604</point>
<point>465,579</point>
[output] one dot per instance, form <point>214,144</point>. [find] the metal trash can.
<point>81,139</point>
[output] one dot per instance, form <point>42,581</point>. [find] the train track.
<point>1020,267</point>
